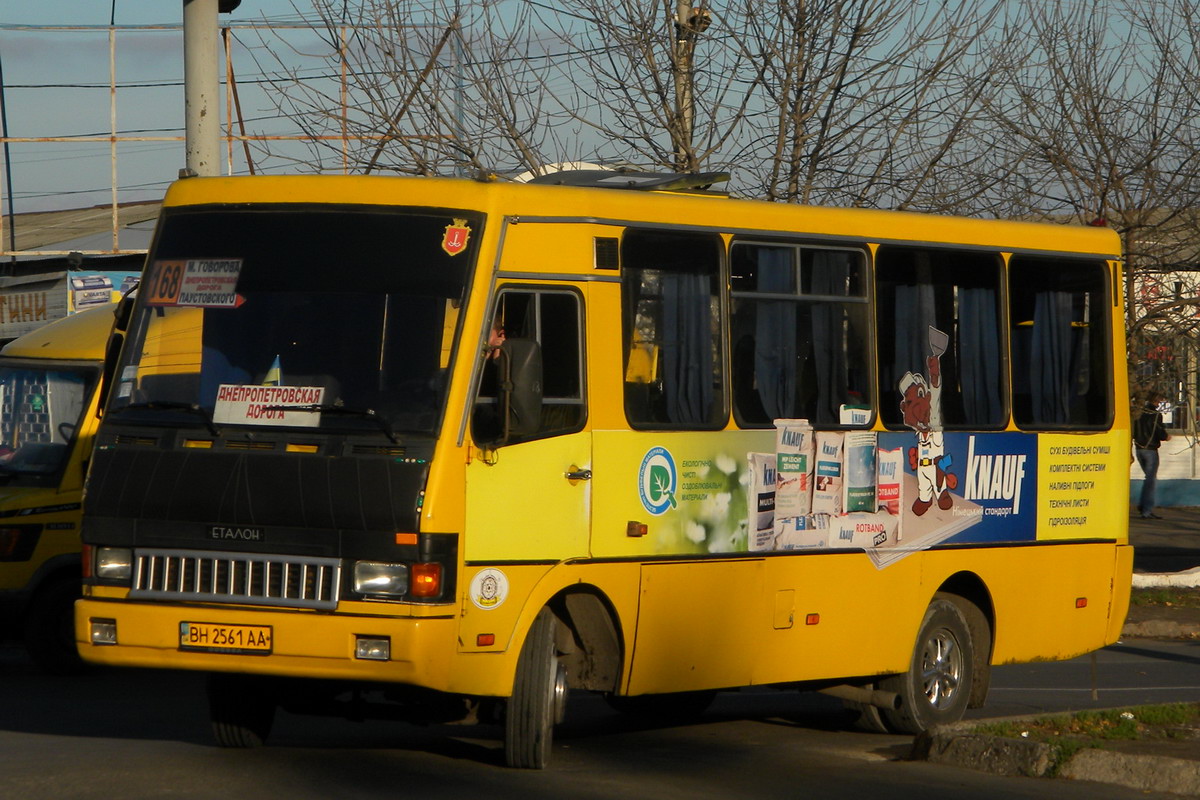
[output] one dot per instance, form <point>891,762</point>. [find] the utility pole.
<point>689,24</point>
<point>8,182</point>
<point>202,116</point>
<point>201,100</point>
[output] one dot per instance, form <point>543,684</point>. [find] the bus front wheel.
<point>539,697</point>
<point>242,710</point>
<point>937,686</point>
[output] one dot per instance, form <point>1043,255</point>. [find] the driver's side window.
<point>553,319</point>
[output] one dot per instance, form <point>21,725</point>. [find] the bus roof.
<point>632,206</point>
<point>78,337</point>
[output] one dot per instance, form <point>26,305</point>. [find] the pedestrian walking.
<point>1148,434</point>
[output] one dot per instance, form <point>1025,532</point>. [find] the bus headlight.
<point>378,578</point>
<point>114,563</point>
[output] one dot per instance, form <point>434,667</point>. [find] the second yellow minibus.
<point>48,385</point>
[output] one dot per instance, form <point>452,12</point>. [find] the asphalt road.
<point>1131,672</point>
<point>144,734</point>
<point>1168,544</point>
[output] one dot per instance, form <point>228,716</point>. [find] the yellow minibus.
<point>48,384</point>
<point>462,446</point>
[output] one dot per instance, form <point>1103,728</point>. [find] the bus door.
<point>528,491</point>
<point>668,488</point>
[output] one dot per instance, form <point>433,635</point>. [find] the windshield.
<point>40,411</point>
<point>333,318</point>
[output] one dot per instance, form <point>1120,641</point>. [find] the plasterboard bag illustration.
<point>800,533</point>
<point>827,484</point>
<point>859,486</point>
<point>761,503</point>
<point>889,486</point>
<point>865,530</point>
<point>794,467</point>
<point>854,415</point>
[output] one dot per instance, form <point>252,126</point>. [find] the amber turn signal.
<point>426,580</point>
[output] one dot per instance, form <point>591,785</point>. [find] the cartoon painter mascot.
<point>922,409</point>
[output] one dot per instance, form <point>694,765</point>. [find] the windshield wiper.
<point>364,413</point>
<point>166,405</point>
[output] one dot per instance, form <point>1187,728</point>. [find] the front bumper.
<point>304,644</point>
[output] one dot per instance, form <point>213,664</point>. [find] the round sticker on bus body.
<point>657,480</point>
<point>489,589</point>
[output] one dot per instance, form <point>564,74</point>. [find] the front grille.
<point>265,580</point>
<point>256,445</point>
<point>145,441</point>
<point>378,450</point>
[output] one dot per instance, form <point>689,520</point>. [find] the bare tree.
<point>417,87</point>
<point>858,102</point>
<point>863,103</point>
<point>648,84</point>
<point>834,101</point>
<point>1100,109</point>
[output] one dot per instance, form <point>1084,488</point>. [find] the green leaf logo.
<point>657,481</point>
<point>660,484</point>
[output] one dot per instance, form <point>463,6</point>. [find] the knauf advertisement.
<point>888,493</point>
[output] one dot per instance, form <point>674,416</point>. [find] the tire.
<point>538,699</point>
<point>937,686</point>
<point>676,706</point>
<point>242,710</point>
<point>866,717</point>
<point>49,627</point>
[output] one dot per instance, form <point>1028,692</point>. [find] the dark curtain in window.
<point>1081,360</point>
<point>1050,361</point>
<point>914,317</point>
<point>775,335</point>
<point>830,272</point>
<point>979,355</point>
<point>687,348</point>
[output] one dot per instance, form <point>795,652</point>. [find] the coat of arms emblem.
<point>454,241</point>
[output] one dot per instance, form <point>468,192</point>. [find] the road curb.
<point>1160,629</point>
<point>997,755</point>
<point>958,745</point>
<point>1147,773</point>
<point>1186,579</point>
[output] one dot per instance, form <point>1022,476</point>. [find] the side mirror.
<point>123,311</point>
<point>112,352</point>
<point>521,388</point>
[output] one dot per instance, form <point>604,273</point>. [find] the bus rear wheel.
<point>937,686</point>
<point>538,700</point>
<point>242,710</point>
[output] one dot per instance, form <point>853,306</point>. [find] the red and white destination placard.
<point>264,405</point>
<point>197,283</point>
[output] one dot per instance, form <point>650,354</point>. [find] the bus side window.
<point>1059,313</point>
<point>801,343</point>
<point>554,320</point>
<point>923,293</point>
<point>671,328</point>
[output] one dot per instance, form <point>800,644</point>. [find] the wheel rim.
<point>941,668</point>
<point>559,699</point>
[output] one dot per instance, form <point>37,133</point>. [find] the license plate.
<point>216,638</point>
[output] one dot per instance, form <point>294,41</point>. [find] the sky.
<point>56,83</point>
